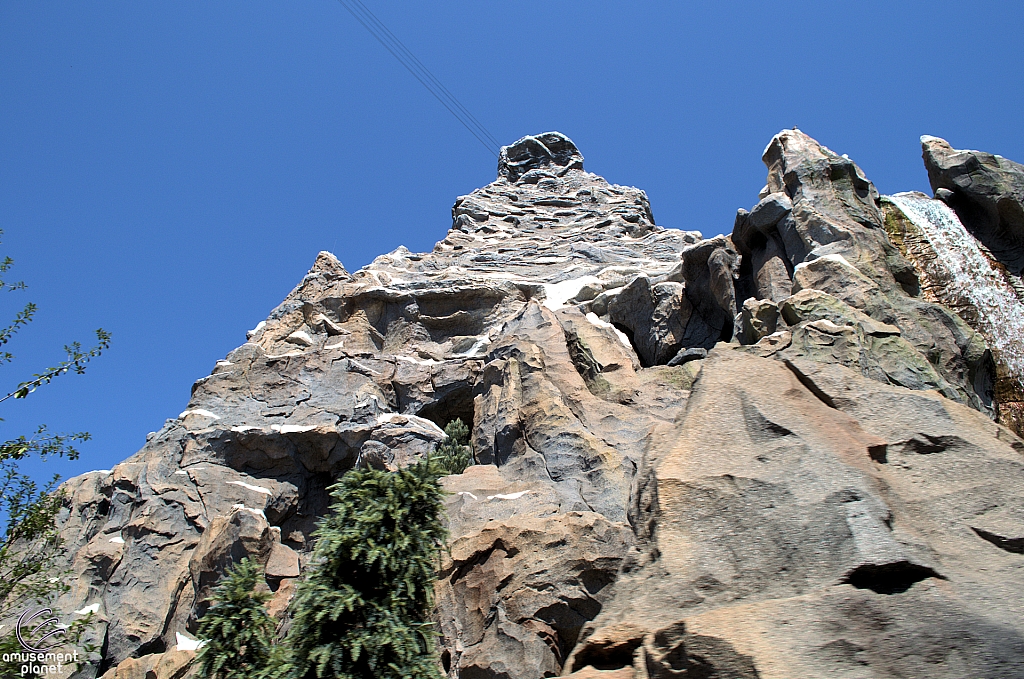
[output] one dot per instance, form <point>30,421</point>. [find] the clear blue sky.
<point>168,171</point>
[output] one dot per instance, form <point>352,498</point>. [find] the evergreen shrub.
<point>363,610</point>
<point>237,629</point>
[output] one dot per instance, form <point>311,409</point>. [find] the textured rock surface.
<point>838,533</point>
<point>979,279</point>
<point>987,191</point>
<point>764,455</point>
<point>824,218</point>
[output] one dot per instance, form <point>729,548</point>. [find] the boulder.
<point>655,315</point>
<point>758,318</point>
<point>242,534</point>
<point>170,665</point>
<point>282,562</point>
<point>534,153</point>
<point>987,193</point>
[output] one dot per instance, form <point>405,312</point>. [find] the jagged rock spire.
<point>530,158</point>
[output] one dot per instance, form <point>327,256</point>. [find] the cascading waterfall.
<point>972,281</point>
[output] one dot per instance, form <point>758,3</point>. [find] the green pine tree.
<point>454,453</point>
<point>237,629</point>
<point>363,611</point>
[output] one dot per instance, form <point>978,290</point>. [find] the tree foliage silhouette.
<point>31,543</point>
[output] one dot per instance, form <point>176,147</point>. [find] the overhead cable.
<point>405,57</point>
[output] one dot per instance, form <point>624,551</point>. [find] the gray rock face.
<point>365,369</point>
<point>802,520</point>
<point>766,455</point>
<point>531,155</point>
<point>822,219</point>
<point>986,191</point>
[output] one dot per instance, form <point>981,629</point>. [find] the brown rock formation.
<point>767,455</point>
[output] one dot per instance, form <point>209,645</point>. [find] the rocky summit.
<point>791,452</point>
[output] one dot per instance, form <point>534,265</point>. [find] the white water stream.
<point>972,279</point>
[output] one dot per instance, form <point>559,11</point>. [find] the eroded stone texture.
<point>986,191</point>
<point>806,519</point>
<point>822,220</point>
<point>365,369</point>
<point>741,456</point>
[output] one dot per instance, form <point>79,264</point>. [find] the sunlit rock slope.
<point>772,454</point>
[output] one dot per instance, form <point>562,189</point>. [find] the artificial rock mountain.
<point>789,452</point>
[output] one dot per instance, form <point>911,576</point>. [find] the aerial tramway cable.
<point>405,57</point>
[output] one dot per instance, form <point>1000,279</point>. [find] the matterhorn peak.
<point>535,157</point>
<point>782,452</point>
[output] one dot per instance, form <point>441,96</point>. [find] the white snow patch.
<point>839,259</point>
<point>300,337</point>
<point>827,325</point>
<point>467,493</point>
<point>289,354</point>
<point>257,512</point>
<point>201,412</point>
<point>88,609</point>
<point>413,419</point>
<point>359,367</point>
<point>558,293</point>
<point>476,349</point>
<point>258,489</point>
<point>117,540</point>
<point>99,471</point>
<point>203,380</point>
<point>339,345</point>
<point>509,496</point>
<point>275,427</point>
<point>592,317</point>
<point>296,428</point>
<point>222,364</point>
<point>241,429</point>
<point>259,326</point>
<point>419,361</point>
<point>185,643</point>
